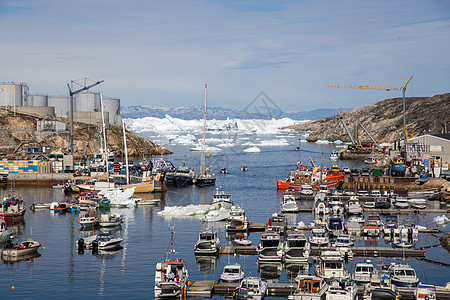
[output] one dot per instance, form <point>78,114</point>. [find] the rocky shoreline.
<point>19,132</point>
<point>384,120</point>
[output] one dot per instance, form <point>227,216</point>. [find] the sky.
<point>162,53</point>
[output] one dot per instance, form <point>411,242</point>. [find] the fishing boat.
<point>12,208</point>
<point>270,247</point>
<point>221,199</point>
<point>319,237</point>
<point>334,155</point>
<point>208,243</point>
<point>364,272</point>
<point>110,220</point>
<point>331,266</point>
<point>5,233</point>
<point>232,273</point>
<point>171,276</point>
<point>289,204</point>
<point>88,222</point>
<point>206,176</point>
<point>296,248</point>
<point>26,247</point>
<point>342,290</point>
<point>183,176</point>
<point>398,166</point>
<point>251,288</point>
<point>403,275</point>
<point>309,288</point>
<point>237,221</point>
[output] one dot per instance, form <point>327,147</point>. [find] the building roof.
<point>441,135</point>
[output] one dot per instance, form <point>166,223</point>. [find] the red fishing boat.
<point>12,208</point>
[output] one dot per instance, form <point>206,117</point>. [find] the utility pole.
<point>71,93</point>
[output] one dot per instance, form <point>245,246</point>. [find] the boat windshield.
<point>364,269</point>
<point>270,243</point>
<point>335,224</point>
<point>333,265</point>
<point>231,271</point>
<point>297,243</point>
<point>405,273</point>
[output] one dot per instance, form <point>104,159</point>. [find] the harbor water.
<point>61,272</point>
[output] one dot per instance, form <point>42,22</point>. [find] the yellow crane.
<point>380,87</point>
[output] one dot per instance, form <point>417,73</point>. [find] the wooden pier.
<point>207,289</point>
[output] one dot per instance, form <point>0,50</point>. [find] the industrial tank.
<point>61,105</point>
<point>11,94</point>
<point>112,105</point>
<point>87,102</point>
<point>36,100</point>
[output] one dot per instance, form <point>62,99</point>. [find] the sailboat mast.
<point>126,151</point>
<point>105,152</point>
<point>202,159</point>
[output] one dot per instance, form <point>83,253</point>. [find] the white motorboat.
<point>403,275</point>
<point>364,272</point>
<point>418,203</point>
<point>221,199</point>
<point>427,194</point>
<point>289,204</point>
<point>237,221</point>
<point>26,247</point>
<point>216,215</point>
<point>391,227</point>
<point>296,248</point>
<point>343,240</point>
<point>362,193</point>
<point>171,276</point>
<point>342,290</point>
<point>277,223</point>
<point>242,242</point>
<point>306,190</point>
<point>334,155</point>
<point>110,220</point>
<point>251,288</point>
<point>376,218</point>
<point>349,193</point>
<point>106,241</point>
<point>270,247</point>
<point>331,266</point>
<point>208,243</point>
<point>232,273</point>
<point>375,193</point>
<point>400,202</point>
<point>309,288</point>
<point>336,206</point>
<point>354,208</point>
<point>319,237</point>
<point>88,222</point>
<point>40,205</point>
<point>321,208</point>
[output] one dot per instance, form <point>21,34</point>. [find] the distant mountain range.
<point>220,113</point>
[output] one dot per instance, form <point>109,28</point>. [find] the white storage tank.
<point>112,105</point>
<point>11,94</point>
<point>61,105</point>
<point>36,100</point>
<point>87,102</point>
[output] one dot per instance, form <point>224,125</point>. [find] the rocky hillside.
<point>384,120</point>
<point>19,132</point>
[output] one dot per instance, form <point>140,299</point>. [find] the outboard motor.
<point>80,245</point>
<point>94,247</point>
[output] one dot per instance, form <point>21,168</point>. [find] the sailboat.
<point>206,176</point>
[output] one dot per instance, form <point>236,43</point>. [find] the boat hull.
<point>19,252</point>
<point>205,181</point>
<point>142,187</point>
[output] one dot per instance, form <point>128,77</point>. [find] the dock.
<point>207,289</point>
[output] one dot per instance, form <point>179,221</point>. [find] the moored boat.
<point>110,220</point>
<point>26,247</point>
<point>221,199</point>
<point>12,208</point>
<point>87,222</point>
<point>5,233</point>
<point>251,288</point>
<point>309,288</point>
<point>319,237</point>
<point>237,221</point>
<point>403,275</point>
<point>171,276</point>
<point>270,247</point>
<point>331,266</point>
<point>208,243</point>
<point>232,273</point>
<point>289,204</point>
<point>296,248</point>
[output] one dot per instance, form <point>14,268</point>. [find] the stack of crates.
<point>19,166</point>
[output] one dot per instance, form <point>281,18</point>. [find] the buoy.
<point>43,248</point>
<point>13,287</point>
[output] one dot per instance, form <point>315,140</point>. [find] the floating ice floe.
<point>322,142</point>
<point>207,148</point>
<point>252,149</point>
<point>267,143</point>
<point>338,142</point>
<point>182,139</point>
<point>226,145</point>
<point>186,211</point>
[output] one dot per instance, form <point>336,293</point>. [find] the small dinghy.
<point>88,221</point>
<point>242,242</point>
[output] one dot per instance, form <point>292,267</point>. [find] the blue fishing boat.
<point>398,166</point>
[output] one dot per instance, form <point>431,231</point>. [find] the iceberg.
<point>186,211</point>
<point>252,149</point>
